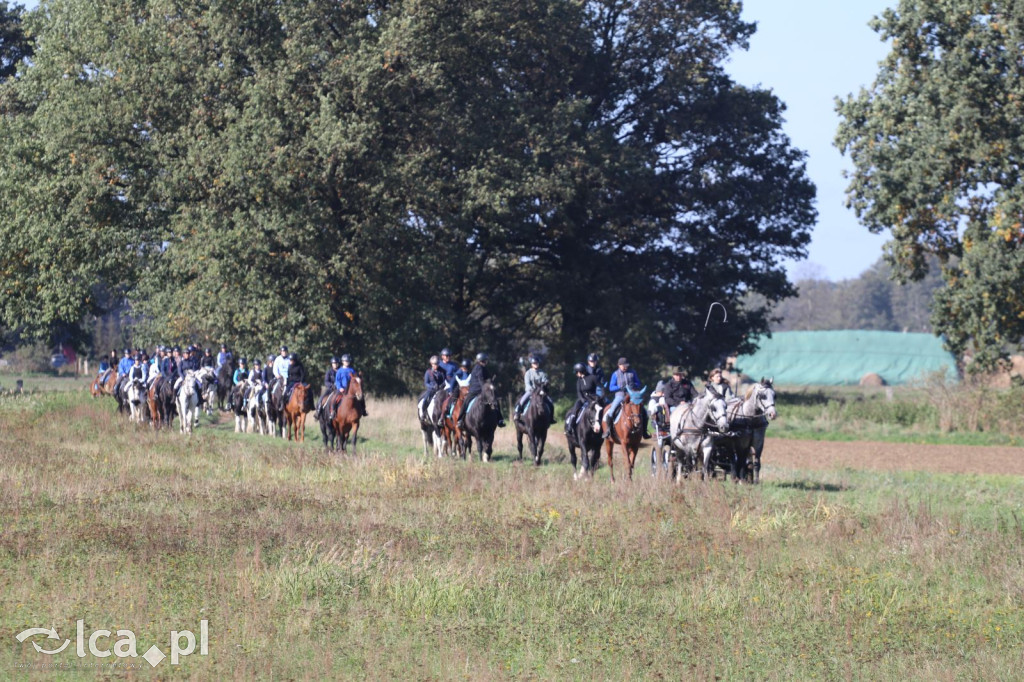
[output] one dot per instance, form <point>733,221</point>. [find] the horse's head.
<point>636,397</point>
<point>766,398</point>
<point>355,388</point>
<point>487,394</point>
<point>716,408</point>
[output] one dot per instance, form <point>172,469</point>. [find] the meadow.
<point>386,565</point>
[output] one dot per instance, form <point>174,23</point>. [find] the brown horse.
<point>299,404</point>
<point>627,432</point>
<point>346,416</point>
<point>450,433</point>
<point>96,388</point>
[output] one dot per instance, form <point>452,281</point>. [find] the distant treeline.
<point>871,301</point>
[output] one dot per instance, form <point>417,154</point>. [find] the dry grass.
<point>392,566</point>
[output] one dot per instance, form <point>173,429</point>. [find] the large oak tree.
<point>387,177</point>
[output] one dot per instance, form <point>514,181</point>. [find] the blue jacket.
<point>434,379</point>
<point>222,357</point>
<point>104,366</point>
<point>621,381</point>
<point>449,368</point>
<point>342,377</point>
<point>124,366</point>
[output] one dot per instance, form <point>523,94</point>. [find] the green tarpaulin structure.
<point>840,358</point>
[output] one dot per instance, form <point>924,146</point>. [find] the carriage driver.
<point>622,379</point>
<point>678,391</point>
<point>720,385</point>
<point>533,378</point>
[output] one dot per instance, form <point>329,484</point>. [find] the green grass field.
<point>389,566</point>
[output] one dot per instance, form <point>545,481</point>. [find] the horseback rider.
<point>296,375</point>
<point>207,360</point>
<point>595,369</point>
<point>328,386</point>
<point>123,367</point>
<point>137,372</point>
<point>586,391</point>
<point>533,378</point>
<point>238,378</point>
<point>280,377</point>
<point>169,366</point>
<point>433,381</point>
<point>465,367</point>
<point>256,374</point>
<point>341,382</point>
<point>267,374</point>
<point>449,368</point>
<point>720,385</point>
<point>223,357</point>
<point>678,390</point>
<point>622,380</point>
<point>477,377</point>
<point>103,372</point>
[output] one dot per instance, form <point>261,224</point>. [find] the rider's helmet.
<point>137,358</point>
<point>284,349</point>
<point>294,357</point>
<point>346,358</point>
<point>206,352</point>
<point>223,346</point>
<point>127,352</point>
<point>256,363</point>
<point>241,361</point>
<point>534,360</point>
<point>592,357</point>
<point>177,349</point>
<point>446,351</point>
<point>335,360</point>
<point>433,359</point>
<point>481,357</point>
<point>466,364</point>
<point>579,368</point>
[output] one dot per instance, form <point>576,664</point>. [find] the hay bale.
<point>872,380</point>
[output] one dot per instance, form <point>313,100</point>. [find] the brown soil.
<point>956,459</point>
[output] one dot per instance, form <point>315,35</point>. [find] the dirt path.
<point>808,454</point>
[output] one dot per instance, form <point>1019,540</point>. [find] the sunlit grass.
<point>389,565</point>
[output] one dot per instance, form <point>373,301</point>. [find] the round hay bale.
<point>872,380</point>
<point>1017,365</point>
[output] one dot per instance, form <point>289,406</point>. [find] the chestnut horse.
<point>98,388</point>
<point>346,417</point>
<point>451,435</point>
<point>628,431</point>
<point>299,404</point>
<point>161,402</point>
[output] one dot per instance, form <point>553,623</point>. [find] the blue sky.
<point>808,52</point>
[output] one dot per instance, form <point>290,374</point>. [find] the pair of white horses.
<point>186,398</point>
<point>709,426</point>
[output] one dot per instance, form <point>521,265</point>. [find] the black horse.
<point>534,423</point>
<point>481,422</point>
<point>225,379</point>
<point>585,433</point>
<point>163,399</point>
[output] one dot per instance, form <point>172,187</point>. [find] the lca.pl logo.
<point>182,643</point>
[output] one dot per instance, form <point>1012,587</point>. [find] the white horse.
<point>748,422</point>
<point>207,378</point>
<point>691,432</point>
<point>253,409</point>
<point>136,392</point>
<point>188,402</point>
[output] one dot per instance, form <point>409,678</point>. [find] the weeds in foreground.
<point>392,566</point>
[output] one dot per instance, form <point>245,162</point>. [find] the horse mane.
<point>750,391</point>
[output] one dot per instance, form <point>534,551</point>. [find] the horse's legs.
<point>355,438</point>
<point>609,445</point>
<point>519,442</point>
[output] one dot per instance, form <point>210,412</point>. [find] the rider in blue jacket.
<point>341,381</point>
<point>449,368</point>
<point>622,380</point>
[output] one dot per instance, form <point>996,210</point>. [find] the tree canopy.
<point>937,144</point>
<point>389,177</point>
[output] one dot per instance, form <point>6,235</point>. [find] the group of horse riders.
<point>279,375</point>
<point>444,374</point>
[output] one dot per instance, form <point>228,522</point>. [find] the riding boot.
<point>606,434</point>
